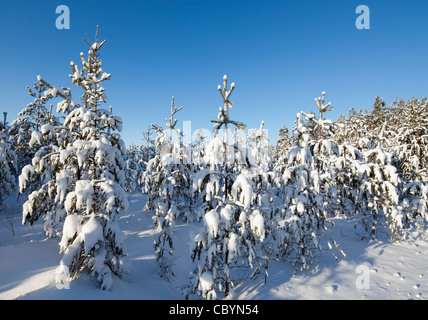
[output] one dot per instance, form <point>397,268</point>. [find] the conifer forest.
<point>336,208</point>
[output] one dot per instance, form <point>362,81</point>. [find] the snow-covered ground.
<point>371,269</point>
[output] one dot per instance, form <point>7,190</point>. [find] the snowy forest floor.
<point>397,271</point>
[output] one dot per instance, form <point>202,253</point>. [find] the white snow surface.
<point>28,263</point>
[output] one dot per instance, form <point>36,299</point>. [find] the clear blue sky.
<point>281,55</point>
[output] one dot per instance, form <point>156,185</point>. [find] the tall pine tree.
<point>92,240</point>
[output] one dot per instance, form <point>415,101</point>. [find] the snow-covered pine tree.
<point>303,205</point>
<point>262,177</point>
<point>8,165</point>
<point>354,139</point>
<point>383,118</point>
<point>371,188</point>
<point>283,146</point>
<point>258,142</point>
<point>352,129</point>
<point>379,193</point>
<point>199,143</point>
<point>32,118</point>
<point>411,149</point>
<point>377,117</point>
<point>414,202</point>
<point>233,229</point>
<point>167,181</point>
<point>303,190</point>
<point>134,167</point>
<point>92,181</point>
<point>148,140</point>
<point>152,178</point>
<point>325,153</point>
<point>40,176</point>
<point>412,136</point>
<point>167,174</point>
<point>337,159</point>
<point>345,168</point>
